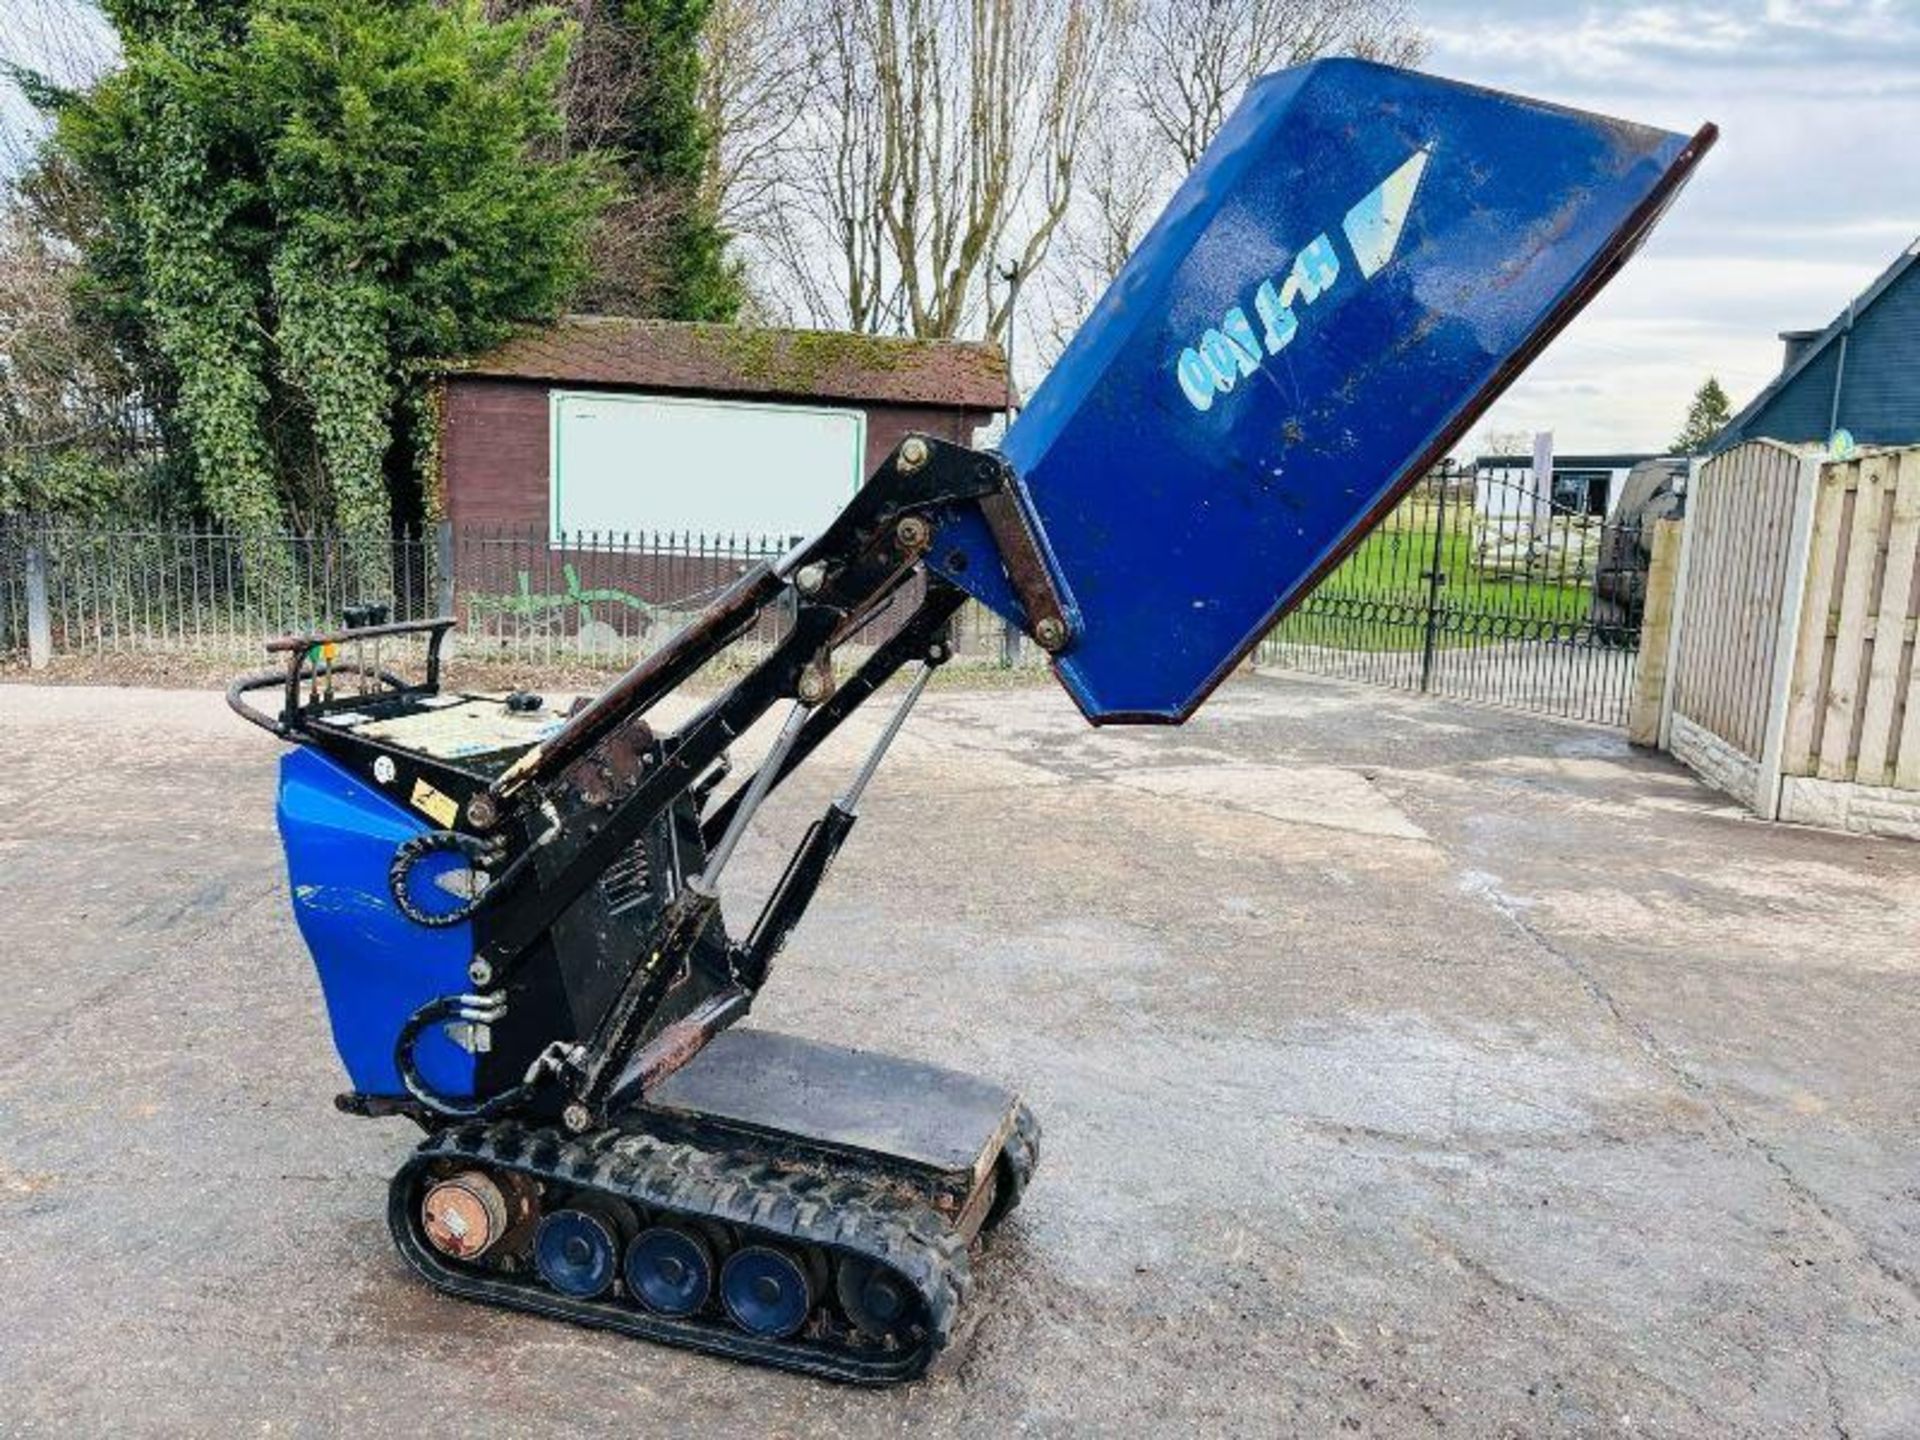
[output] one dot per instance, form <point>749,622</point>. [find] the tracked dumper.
<point>515,911</point>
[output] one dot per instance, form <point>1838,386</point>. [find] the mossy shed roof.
<point>739,360</point>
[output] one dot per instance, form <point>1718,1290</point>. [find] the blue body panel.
<point>1355,268</point>
<point>376,967</point>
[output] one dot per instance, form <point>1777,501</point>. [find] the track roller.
<point>874,1298</point>
<point>670,1270</point>
<point>768,1290</point>
<point>577,1249</point>
<point>714,1250</point>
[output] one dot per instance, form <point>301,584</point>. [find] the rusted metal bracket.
<point>1026,569</point>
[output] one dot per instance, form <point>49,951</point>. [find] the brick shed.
<point>615,425</point>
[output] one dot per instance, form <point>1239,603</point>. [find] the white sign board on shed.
<point>623,464</point>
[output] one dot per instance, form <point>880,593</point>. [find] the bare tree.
<point>758,58</point>
<point>937,143</point>
<point>1119,191</point>
<point>813,230</point>
<point>67,399</point>
<point>39,347</point>
<point>602,68</point>
<point>1191,59</point>
<point>64,43</point>
<point>1120,194</point>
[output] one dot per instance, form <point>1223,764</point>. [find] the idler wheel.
<point>767,1291</point>
<point>464,1215</point>
<point>878,1301</point>
<point>577,1251</point>
<point>670,1270</point>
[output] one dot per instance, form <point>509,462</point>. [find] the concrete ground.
<point>1405,1068</point>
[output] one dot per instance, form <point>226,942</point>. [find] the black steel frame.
<point>547,827</point>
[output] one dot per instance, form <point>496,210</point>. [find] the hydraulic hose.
<point>474,850</point>
<point>433,842</point>
<point>434,1012</point>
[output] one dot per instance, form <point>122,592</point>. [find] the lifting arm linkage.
<point>856,565</point>
<point>677,1043</point>
<point>922,633</point>
<point>824,837</point>
<point>924,636</point>
<point>837,583</point>
<point>614,1067</point>
<point>717,627</point>
<point>948,474</point>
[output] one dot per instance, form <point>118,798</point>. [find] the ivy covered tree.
<point>634,94</point>
<point>663,147</point>
<point>1707,416</point>
<point>299,201</point>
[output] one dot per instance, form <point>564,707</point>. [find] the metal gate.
<point>1485,586</point>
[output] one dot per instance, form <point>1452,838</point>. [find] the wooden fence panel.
<point>1811,655</point>
<point>1906,763</point>
<point>1858,592</point>
<point>1853,710</point>
<point>1645,716</point>
<point>1889,666</point>
<point>1796,678</point>
<point>1745,540</point>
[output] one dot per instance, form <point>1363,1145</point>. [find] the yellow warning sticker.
<point>434,805</point>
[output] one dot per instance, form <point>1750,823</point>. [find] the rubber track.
<point>1017,1162</point>
<point>839,1212</point>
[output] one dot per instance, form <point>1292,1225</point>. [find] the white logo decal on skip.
<point>1235,349</point>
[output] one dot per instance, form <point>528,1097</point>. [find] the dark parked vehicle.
<point>1654,490</point>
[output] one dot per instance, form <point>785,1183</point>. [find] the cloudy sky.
<point>1812,191</point>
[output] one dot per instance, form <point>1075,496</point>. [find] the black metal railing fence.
<point>1475,586</point>
<point>121,589</point>
<point>1481,586</point>
<point>520,596</point>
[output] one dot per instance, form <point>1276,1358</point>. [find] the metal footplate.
<point>801,1248</point>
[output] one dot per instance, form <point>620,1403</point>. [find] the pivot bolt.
<point>913,453</point>
<point>810,578</point>
<point>815,684</point>
<point>913,533</point>
<point>480,973</point>
<point>482,812</point>
<point>1050,632</point>
<point>576,1117</point>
